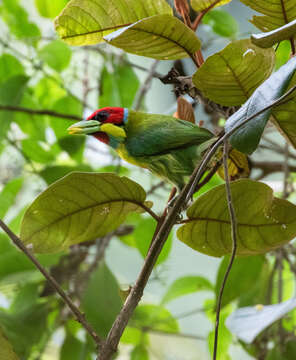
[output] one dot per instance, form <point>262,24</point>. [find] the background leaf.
<point>264,222</point>
<point>48,8</point>
<point>221,22</point>
<point>114,85</point>
<point>186,285</point>
<point>101,301</point>
<point>8,195</point>
<point>96,203</point>
<point>85,23</point>
<point>56,54</point>
<point>243,277</point>
<point>162,37</point>
<point>230,76</point>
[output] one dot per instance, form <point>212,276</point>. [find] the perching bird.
<point>168,147</point>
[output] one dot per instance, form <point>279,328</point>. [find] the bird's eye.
<point>101,116</point>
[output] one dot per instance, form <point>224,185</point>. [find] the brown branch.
<point>111,343</point>
<point>79,316</point>
<point>39,112</point>
<point>233,222</point>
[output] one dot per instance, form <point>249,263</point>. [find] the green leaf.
<point>73,349</point>
<point>139,353</point>
<point>283,54</point>
<point>85,23</point>
<point>246,139</point>
<point>6,350</point>
<point>230,76</point>
<point>32,125</point>
<point>48,92</point>
<point>10,66</point>
<point>266,40</point>
<point>200,5</point>
<point>113,90</point>
<point>48,8</point>
<point>11,92</point>
<point>102,293</point>
<point>154,317</point>
<point>277,14</point>
<point>8,195</point>
<point>248,322</point>
<point>79,207</point>
<point>16,267</point>
<point>263,221</point>
<point>56,54</point>
<point>52,173</point>
<point>186,285</point>
<point>221,22</point>
<point>162,37</point>
<point>16,18</point>
<point>142,238</point>
<point>239,281</point>
<point>24,329</point>
<point>34,151</point>
<point>225,337</point>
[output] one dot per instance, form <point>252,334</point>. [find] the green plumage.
<point>168,147</point>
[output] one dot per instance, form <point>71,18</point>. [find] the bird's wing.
<point>152,135</point>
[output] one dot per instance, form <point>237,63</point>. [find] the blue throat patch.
<point>125,115</point>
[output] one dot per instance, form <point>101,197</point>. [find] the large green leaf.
<point>186,285</point>
<point>49,8</point>
<point>101,301</point>
<point>8,195</point>
<point>56,54</point>
<point>86,22</point>
<point>200,5</point>
<point>239,281</point>
<point>114,85</point>
<point>246,139</point>
<point>266,40</point>
<point>276,13</point>
<point>79,207</point>
<point>230,76</point>
<point>162,37</point>
<point>6,350</point>
<point>263,221</point>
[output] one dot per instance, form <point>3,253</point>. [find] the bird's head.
<point>106,124</point>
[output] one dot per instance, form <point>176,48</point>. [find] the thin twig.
<point>145,87</point>
<point>39,112</point>
<point>167,333</point>
<point>79,316</point>
<point>199,17</point>
<point>233,222</point>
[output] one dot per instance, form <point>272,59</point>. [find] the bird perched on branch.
<point>167,146</point>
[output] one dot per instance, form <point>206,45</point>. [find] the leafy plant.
<point>68,209</point>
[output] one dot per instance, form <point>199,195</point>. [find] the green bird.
<point>169,147</point>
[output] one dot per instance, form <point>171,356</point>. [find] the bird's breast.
<point>124,154</point>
